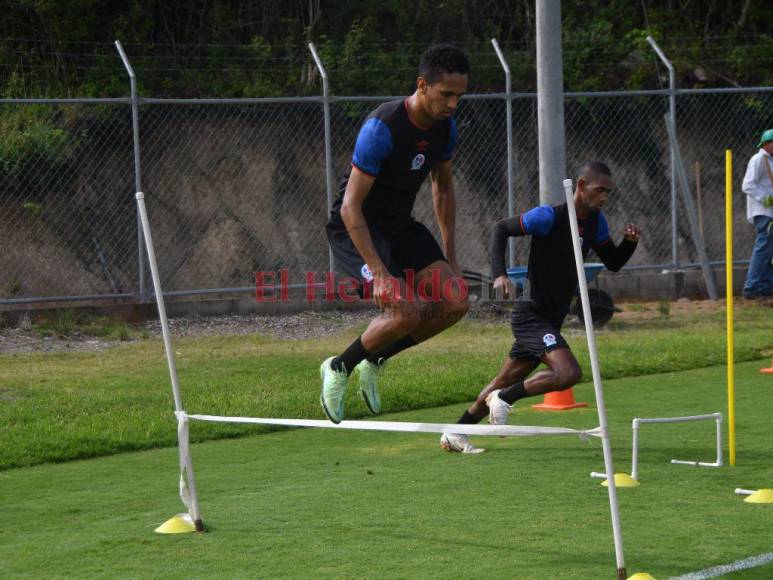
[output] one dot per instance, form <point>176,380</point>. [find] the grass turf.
<point>64,406</point>
<point>302,503</point>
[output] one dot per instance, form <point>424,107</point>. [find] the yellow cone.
<point>623,480</point>
<point>179,524</point>
<point>641,576</point>
<point>760,496</point>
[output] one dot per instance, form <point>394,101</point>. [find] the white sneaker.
<point>333,391</point>
<point>498,410</point>
<point>367,376</point>
<point>460,443</point>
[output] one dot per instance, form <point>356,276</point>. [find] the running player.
<point>375,238</point>
<point>538,315</point>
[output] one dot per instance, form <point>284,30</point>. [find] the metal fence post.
<point>672,115</point>
<point>692,218</point>
<point>509,101</point>
<point>137,166</point>
<point>328,145</point>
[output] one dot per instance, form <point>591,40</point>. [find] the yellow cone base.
<point>179,524</point>
<point>760,496</point>
<point>641,576</point>
<point>623,480</point>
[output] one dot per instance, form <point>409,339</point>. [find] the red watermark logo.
<point>275,286</point>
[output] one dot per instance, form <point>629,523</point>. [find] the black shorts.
<point>534,335</point>
<point>412,247</point>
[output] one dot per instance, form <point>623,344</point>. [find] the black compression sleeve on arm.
<point>615,257</point>
<point>503,229</point>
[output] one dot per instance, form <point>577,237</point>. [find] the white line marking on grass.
<point>716,571</point>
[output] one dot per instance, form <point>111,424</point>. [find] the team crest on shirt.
<point>418,162</point>
<point>549,339</point>
<point>366,273</point>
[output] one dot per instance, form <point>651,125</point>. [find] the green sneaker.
<point>333,391</point>
<point>368,374</point>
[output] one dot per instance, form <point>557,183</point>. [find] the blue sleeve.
<point>374,144</point>
<point>602,232</point>
<point>539,221</point>
<point>449,150</point>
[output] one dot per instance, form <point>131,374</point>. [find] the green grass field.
<point>300,503</point>
<point>64,406</point>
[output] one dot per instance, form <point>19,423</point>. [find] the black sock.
<point>468,419</point>
<point>392,349</point>
<point>350,358</point>
<point>513,393</point>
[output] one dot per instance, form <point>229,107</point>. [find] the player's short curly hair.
<point>442,59</point>
<point>593,168</point>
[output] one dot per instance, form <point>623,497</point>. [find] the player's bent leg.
<point>562,373</point>
<point>397,321</point>
<point>444,297</point>
<point>511,372</point>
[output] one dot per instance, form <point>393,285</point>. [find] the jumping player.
<point>375,238</point>
<point>538,315</point>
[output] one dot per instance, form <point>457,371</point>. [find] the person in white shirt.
<point>758,187</point>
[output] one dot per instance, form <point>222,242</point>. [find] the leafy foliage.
<point>258,48</point>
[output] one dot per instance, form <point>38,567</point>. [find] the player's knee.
<point>405,321</point>
<point>568,377</point>
<point>456,308</point>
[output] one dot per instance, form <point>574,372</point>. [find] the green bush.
<point>27,133</point>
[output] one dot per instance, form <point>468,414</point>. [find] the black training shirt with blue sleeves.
<point>399,155</point>
<point>552,272</point>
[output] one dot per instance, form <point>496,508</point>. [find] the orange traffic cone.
<point>769,370</point>
<point>559,401</point>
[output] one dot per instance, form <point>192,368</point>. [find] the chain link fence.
<point>239,186</point>
<point>66,197</point>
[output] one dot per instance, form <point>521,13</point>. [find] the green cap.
<point>766,136</point>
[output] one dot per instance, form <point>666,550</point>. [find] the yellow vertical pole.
<point>729,292</point>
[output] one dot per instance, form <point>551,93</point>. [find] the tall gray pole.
<point>328,145</point>
<point>137,165</point>
<point>550,102</point>
<point>692,215</point>
<point>672,115</point>
<point>509,101</point>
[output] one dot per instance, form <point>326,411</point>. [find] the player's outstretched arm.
<point>500,233</point>
<point>444,204</point>
<point>357,189</point>
<point>615,257</point>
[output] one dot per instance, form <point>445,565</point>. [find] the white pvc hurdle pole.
<point>178,405</point>
<point>718,462</point>
<point>635,450</point>
<point>717,417</point>
<point>606,445</point>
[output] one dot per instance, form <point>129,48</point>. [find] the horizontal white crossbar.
<point>714,416</point>
<point>717,571</point>
<point>500,430</point>
<point>696,463</point>
<point>717,417</point>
